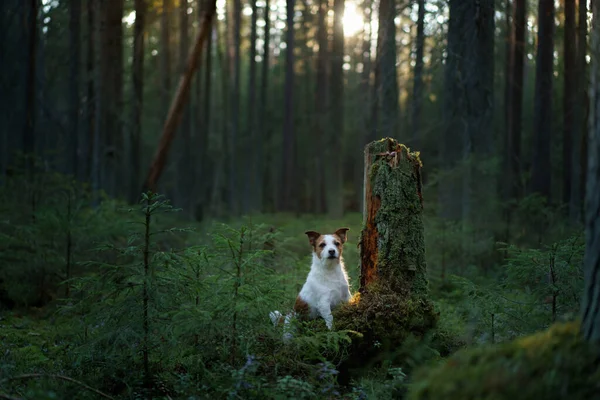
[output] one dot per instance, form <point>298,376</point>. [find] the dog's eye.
<point>336,243</point>
<point>322,245</point>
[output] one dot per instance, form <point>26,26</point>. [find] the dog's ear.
<point>342,234</point>
<point>312,236</point>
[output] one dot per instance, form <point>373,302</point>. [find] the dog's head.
<point>328,247</point>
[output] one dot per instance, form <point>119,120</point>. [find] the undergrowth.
<point>98,298</point>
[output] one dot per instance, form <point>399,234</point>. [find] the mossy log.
<point>392,303</point>
<point>552,365</point>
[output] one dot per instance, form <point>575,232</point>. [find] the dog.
<point>326,285</point>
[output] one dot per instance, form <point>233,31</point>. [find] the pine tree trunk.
<point>569,97</point>
<point>540,170</point>
<point>179,101</point>
<point>29,127</point>
<point>138,98</point>
<point>90,89</point>
<point>234,183</point>
<point>515,98</point>
<point>165,54</point>
<point>388,80</point>
<point>417,100</point>
<point>334,149</point>
<point>74,62</point>
<point>250,187</point>
<point>321,105</point>
<point>580,125</point>
<point>111,70</point>
<point>185,170</point>
<point>287,184</point>
<point>264,174</point>
<point>591,298</point>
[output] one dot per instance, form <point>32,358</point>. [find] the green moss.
<point>554,364</point>
<point>384,319</point>
<point>395,180</point>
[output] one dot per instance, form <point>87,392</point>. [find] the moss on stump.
<point>393,301</point>
<point>551,365</point>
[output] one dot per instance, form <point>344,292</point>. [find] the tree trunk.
<point>393,302</point>
<point>321,105</point>
<point>185,170</point>
<point>515,99</point>
<point>206,179</point>
<point>138,98</point>
<point>29,127</point>
<point>468,104</point>
<point>165,51</point>
<point>250,188</point>
<point>591,298</point>
<point>264,174</point>
<point>580,126</point>
<point>334,149</point>
<point>569,97</point>
<point>179,101</point>
<point>388,79</point>
<point>417,100</point>
<point>75,46</point>
<point>234,183</point>
<point>111,70</point>
<point>540,171</point>
<point>287,184</point>
<point>90,95</point>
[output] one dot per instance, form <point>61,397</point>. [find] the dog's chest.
<point>327,285</point>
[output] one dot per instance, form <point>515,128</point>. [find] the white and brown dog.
<point>326,285</point>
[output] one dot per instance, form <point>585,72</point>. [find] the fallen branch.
<point>177,106</point>
<point>61,377</point>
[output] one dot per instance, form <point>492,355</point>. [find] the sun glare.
<point>353,20</point>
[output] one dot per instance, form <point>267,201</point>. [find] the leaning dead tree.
<point>392,303</point>
<point>179,101</point>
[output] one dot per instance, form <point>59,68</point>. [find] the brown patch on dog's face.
<point>301,308</point>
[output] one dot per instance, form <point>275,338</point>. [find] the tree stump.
<point>392,303</point>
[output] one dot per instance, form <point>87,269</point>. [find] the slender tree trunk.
<point>540,171</point>
<point>235,110</point>
<point>334,149</point>
<point>388,80</point>
<point>90,96</point>
<point>250,189</point>
<point>321,105</point>
<point>515,98</point>
<point>111,69</point>
<point>591,298</point>
<point>580,127</point>
<point>99,94</point>
<point>417,100</point>
<point>138,97</point>
<point>165,51</point>
<point>179,101</point>
<point>288,162</point>
<point>205,178</point>
<point>30,88</point>
<point>569,96</point>
<point>264,174</point>
<point>185,170</point>
<point>75,45</point>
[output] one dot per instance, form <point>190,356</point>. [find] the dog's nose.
<point>332,252</point>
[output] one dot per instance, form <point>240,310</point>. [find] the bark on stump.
<point>392,303</point>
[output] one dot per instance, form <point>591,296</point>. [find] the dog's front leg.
<point>346,295</point>
<point>324,308</point>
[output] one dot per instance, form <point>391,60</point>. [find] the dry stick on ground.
<point>61,377</point>
<point>181,97</point>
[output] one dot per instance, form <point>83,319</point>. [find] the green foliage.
<point>553,364</point>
